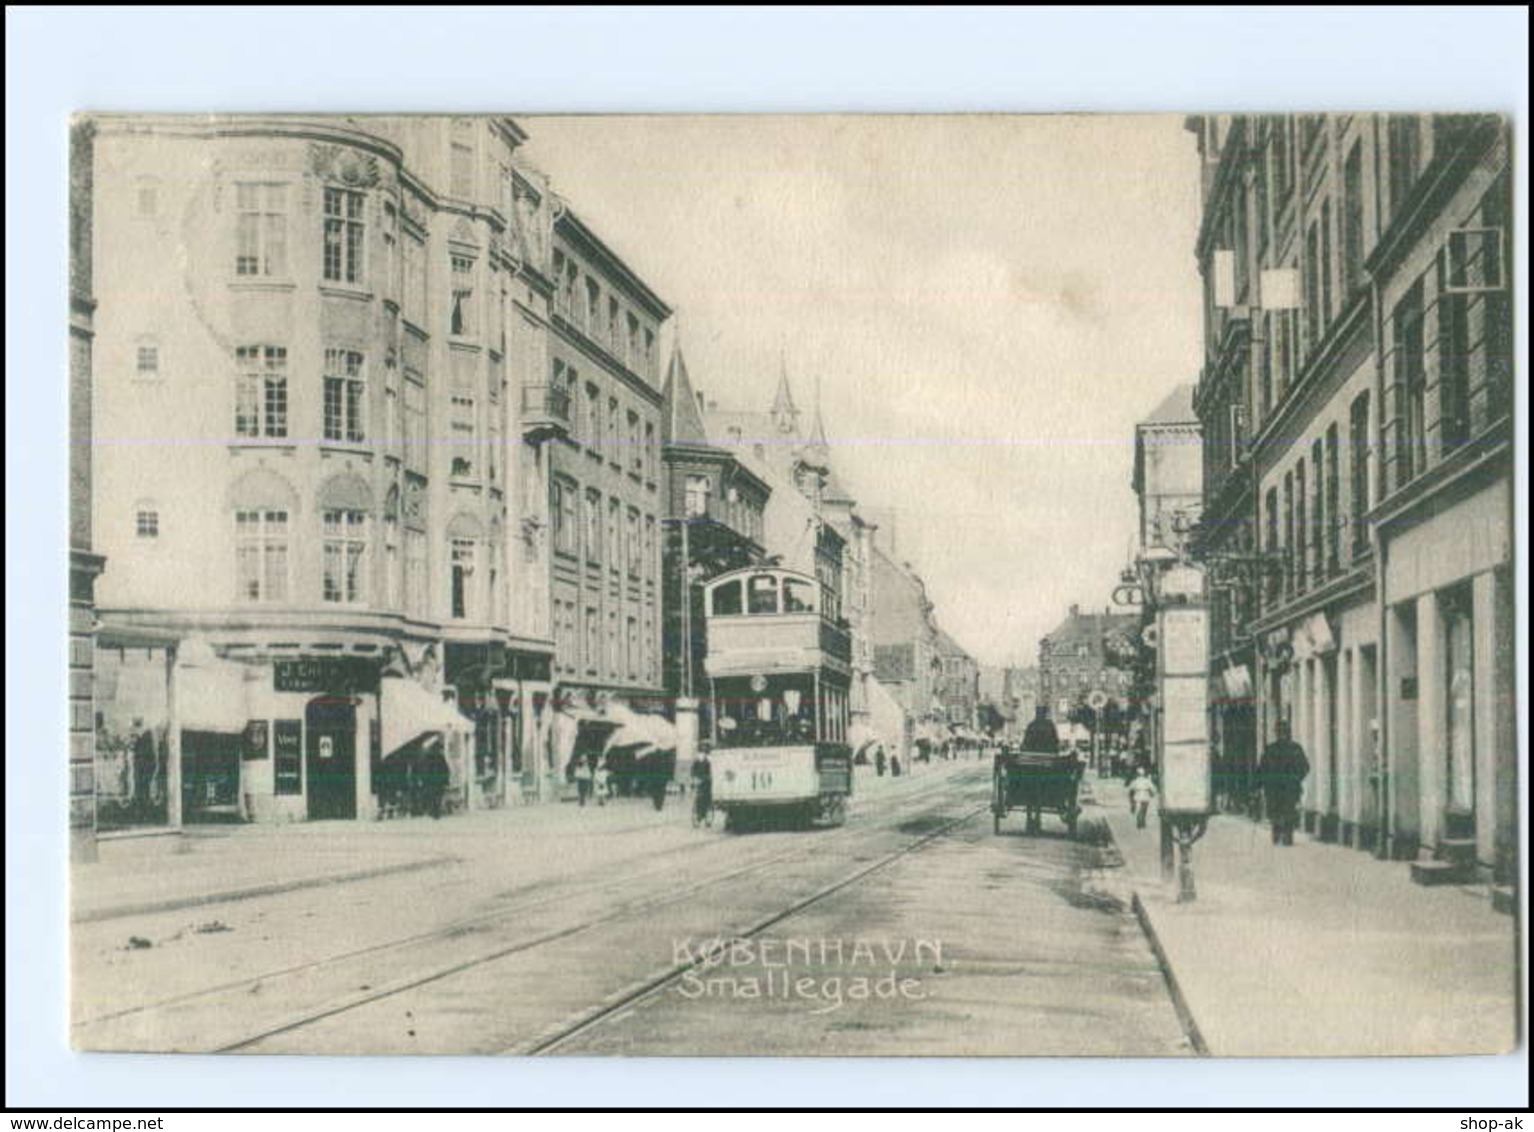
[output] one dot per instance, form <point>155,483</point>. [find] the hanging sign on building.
<point>340,675</point>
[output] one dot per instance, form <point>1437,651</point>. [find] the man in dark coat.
<point>1281,773</point>
<point>1041,738</point>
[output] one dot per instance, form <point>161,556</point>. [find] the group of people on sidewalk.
<point>1281,774</point>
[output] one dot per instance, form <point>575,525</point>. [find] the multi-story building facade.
<point>606,480</point>
<point>907,660</point>
<point>321,395</point>
<point>1086,653</point>
<point>1168,472</point>
<point>714,511</point>
<point>84,564</point>
<point>1356,399</point>
<point>958,686</point>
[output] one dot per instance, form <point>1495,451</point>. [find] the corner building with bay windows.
<point>321,405</point>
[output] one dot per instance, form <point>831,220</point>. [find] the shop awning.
<point>210,696</point>
<point>409,711</point>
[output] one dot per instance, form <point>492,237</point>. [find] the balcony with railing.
<point>545,412</point>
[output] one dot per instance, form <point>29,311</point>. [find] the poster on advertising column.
<point>1186,785</point>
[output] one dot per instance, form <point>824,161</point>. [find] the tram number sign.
<point>761,780</point>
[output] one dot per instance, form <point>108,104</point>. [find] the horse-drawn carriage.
<point>1034,782</point>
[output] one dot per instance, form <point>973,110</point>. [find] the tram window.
<point>763,594</point>
<point>798,596</point>
<point>727,599</point>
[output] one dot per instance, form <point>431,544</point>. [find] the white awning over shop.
<point>210,696</point>
<point>409,711</point>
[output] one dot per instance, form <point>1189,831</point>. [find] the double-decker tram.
<point>779,669</point>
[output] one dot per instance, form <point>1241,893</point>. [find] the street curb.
<point>274,889</point>
<point>1147,926</point>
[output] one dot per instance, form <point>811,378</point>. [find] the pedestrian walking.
<point>1281,774</point>
<point>1142,791</point>
<point>601,782</point>
<point>434,777</point>
<point>585,775</point>
<point>702,788</point>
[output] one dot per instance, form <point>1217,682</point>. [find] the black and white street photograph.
<point>649,583</point>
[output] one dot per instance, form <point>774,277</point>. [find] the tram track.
<point>636,993</point>
<point>340,969</point>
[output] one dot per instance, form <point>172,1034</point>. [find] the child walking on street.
<point>1141,792</point>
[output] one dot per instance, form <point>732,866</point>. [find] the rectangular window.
<point>461,322</point>
<point>261,555</point>
<point>562,510</point>
<point>415,420</point>
<point>1327,311</point>
<point>1313,272</point>
<point>1333,505</point>
<point>632,354</point>
<point>1353,222</point>
<point>345,396</point>
<point>463,427</point>
<point>651,452</point>
<point>695,499</point>
<point>147,360</point>
<point>648,566</point>
<point>344,230</point>
<point>391,250</point>
<point>1289,563</point>
<point>463,553</point>
<point>261,229</point>
<point>1320,517</point>
<point>614,327</point>
<point>633,648</point>
<point>1453,368</point>
<point>1272,577</point>
<point>415,279</point>
<point>593,526</point>
<point>614,536</point>
<point>1301,530</point>
<point>261,391</point>
<point>1404,154</point>
<point>593,639</point>
<point>1411,386</point>
<point>635,551</point>
<point>593,308</point>
<point>146,523</point>
<point>593,419</point>
<point>636,449</point>
<point>649,352</point>
<point>462,172</point>
<point>1358,462</point>
<point>415,573</point>
<point>344,552</point>
<point>614,437</point>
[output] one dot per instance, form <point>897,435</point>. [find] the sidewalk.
<point>1319,950</point>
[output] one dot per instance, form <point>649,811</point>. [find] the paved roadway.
<point>910,930</point>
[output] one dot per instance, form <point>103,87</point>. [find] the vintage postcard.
<point>793,585</point>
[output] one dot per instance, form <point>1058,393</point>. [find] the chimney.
<point>701,403</point>
<point>1075,610</point>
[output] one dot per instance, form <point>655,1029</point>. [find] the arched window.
<point>345,506</point>
<point>262,504</point>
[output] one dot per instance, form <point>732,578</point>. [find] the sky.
<point>987,304</point>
